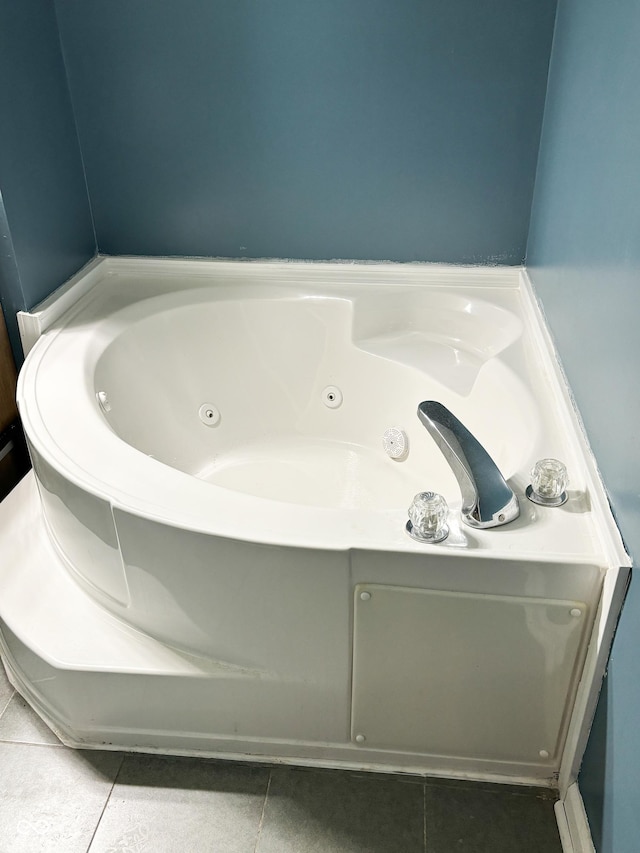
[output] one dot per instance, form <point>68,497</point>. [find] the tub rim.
<point>350,529</point>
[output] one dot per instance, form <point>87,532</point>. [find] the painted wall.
<point>46,231</point>
<point>340,129</point>
<point>584,258</point>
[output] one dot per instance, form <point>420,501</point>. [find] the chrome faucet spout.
<point>487,500</point>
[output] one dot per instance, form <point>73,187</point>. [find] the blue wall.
<point>584,259</point>
<point>339,129</point>
<point>46,231</point>
<point>348,128</point>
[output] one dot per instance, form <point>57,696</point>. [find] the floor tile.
<point>21,724</point>
<point>51,799</point>
<point>327,812</point>
<point>481,821</point>
<point>6,689</point>
<point>164,805</point>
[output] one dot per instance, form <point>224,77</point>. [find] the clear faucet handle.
<point>549,483</point>
<point>428,518</point>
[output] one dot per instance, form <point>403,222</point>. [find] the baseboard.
<point>573,824</point>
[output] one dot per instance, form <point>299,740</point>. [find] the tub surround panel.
<point>403,132</point>
<point>224,710</point>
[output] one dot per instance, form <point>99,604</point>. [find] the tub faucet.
<point>487,500</point>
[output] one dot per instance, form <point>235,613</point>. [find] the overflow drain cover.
<point>395,443</point>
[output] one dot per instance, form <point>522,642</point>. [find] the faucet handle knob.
<point>428,518</point>
<point>549,483</point>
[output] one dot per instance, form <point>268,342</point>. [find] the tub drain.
<point>103,401</point>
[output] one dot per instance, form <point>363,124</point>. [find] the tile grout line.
<point>17,697</point>
<point>264,808</point>
<point>106,803</point>
<point>35,743</point>
<point>424,817</point>
<point>5,677</point>
<point>9,700</point>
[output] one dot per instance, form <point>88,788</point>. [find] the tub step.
<point>42,606</point>
<point>98,683</point>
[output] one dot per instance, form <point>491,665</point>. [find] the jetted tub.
<point>215,559</point>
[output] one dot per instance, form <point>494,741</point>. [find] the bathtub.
<point>210,556</point>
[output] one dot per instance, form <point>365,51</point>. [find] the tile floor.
<point>58,800</point>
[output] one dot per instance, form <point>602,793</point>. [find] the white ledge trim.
<point>33,323</point>
<point>573,824</point>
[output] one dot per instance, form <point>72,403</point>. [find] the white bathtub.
<point>240,583</point>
